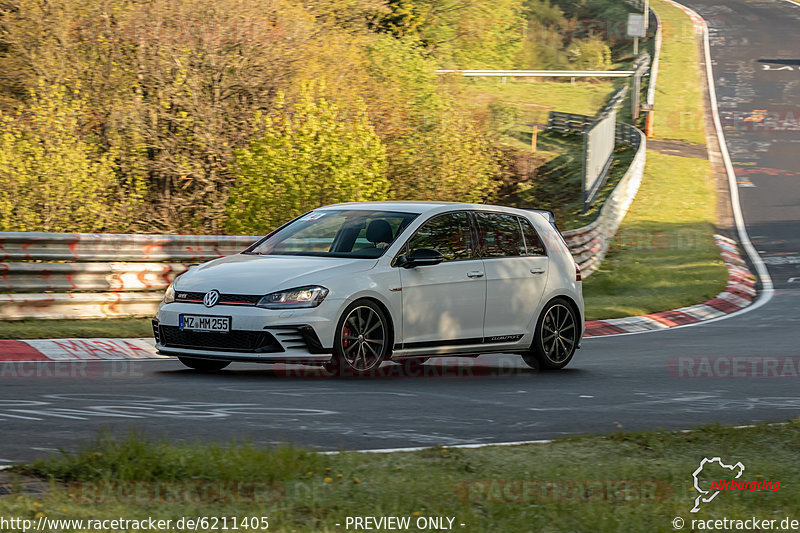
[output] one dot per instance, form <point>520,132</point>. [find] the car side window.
<point>533,243</point>
<point>500,235</point>
<point>449,234</point>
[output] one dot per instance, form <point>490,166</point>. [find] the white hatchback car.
<point>353,285</point>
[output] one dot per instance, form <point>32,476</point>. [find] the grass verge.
<point>663,255</point>
<point>621,482</point>
<point>62,329</point>
<point>679,95</point>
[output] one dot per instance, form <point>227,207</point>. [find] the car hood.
<point>258,274</point>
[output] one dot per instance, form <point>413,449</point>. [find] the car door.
<point>516,273</point>
<point>443,304</point>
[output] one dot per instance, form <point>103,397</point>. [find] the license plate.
<point>205,323</point>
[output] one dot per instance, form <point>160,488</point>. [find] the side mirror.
<point>421,257</point>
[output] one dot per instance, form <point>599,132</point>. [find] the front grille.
<point>233,341</point>
<point>224,299</point>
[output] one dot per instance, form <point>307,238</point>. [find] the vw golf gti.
<point>349,286</point>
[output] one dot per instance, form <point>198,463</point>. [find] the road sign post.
<point>636,29</point>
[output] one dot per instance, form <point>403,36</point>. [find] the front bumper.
<point>256,335</point>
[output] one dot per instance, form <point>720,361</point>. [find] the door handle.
<point>475,274</point>
<point>537,271</point>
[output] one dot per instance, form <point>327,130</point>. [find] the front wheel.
<point>555,338</point>
<point>204,365</point>
<point>362,340</point>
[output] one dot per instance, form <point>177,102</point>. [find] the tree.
<point>450,160</point>
<point>53,177</point>
<point>312,154</point>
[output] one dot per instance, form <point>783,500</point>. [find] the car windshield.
<point>355,233</point>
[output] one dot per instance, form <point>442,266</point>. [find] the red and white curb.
<point>67,350</point>
<point>738,294</point>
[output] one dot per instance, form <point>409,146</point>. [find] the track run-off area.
<point>736,370</point>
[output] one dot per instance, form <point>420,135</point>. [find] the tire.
<point>413,365</point>
<point>555,337</point>
<point>362,340</point>
<point>203,365</point>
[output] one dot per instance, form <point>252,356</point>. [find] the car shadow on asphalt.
<point>468,369</point>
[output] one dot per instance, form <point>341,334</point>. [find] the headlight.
<point>310,296</point>
<point>169,295</point>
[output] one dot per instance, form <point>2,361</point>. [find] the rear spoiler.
<point>552,219</point>
<point>549,214</point>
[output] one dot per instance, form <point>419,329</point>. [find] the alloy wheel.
<point>558,333</point>
<point>363,338</point>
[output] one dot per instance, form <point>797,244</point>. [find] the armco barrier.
<point>589,244</point>
<point>79,305</point>
<point>83,275</point>
<point>20,246</point>
<point>31,276</point>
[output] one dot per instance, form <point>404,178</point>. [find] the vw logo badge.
<point>211,298</point>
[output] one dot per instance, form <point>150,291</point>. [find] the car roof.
<point>421,207</point>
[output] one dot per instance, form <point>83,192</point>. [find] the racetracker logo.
<point>733,367</point>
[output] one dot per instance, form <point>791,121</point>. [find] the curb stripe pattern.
<point>739,293</point>
<point>70,350</point>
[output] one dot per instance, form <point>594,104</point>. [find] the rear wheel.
<point>556,337</point>
<point>204,365</point>
<point>362,340</point>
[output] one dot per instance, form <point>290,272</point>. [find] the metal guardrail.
<point>615,101</point>
<point>568,122</point>
<point>21,246</point>
<point>96,275</point>
<point>651,87</point>
<point>41,277</point>
<point>574,123</point>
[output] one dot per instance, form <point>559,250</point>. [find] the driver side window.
<point>449,234</point>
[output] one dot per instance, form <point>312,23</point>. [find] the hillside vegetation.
<point>213,116</point>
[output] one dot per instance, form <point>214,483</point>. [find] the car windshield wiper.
<point>252,253</point>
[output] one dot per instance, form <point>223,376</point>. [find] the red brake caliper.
<point>347,332</point>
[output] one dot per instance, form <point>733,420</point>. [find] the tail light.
<point>577,272</point>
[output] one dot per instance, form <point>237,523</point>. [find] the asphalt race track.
<point>629,382</point>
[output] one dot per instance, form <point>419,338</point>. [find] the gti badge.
<point>211,298</point>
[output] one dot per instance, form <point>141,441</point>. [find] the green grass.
<point>528,102</point>
<point>644,478</point>
<point>679,109</point>
<point>538,97</point>
<point>663,256</point>
<point>61,329</point>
